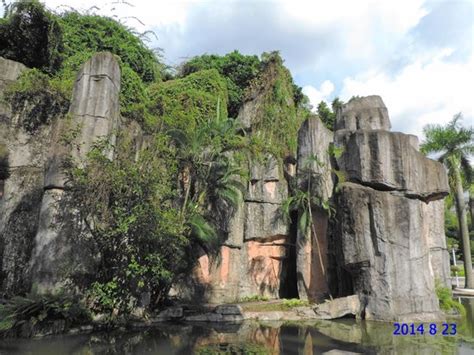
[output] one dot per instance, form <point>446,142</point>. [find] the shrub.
<point>31,35</point>
<point>92,33</point>
<point>128,207</point>
<point>237,69</point>
<point>446,302</point>
<point>184,103</point>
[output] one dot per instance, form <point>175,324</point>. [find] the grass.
<point>274,305</point>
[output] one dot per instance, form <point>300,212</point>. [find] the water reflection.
<point>254,338</point>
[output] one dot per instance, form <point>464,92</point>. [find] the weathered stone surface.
<point>229,309</point>
<point>9,72</point>
<point>255,269</point>
<point>367,112</point>
<point>20,199</point>
<point>314,160</point>
<point>385,246</point>
<point>439,254</point>
<point>264,221</point>
<point>338,308</point>
<point>267,183</point>
<point>95,111</point>
<point>389,161</point>
<point>314,174</point>
<point>312,259</point>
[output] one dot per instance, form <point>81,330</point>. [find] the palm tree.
<point>456,144</point>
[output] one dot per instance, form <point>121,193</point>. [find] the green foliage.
<point>4,166</point>
<point>446,302</point>
<point>92,33</point>
<point>31,35</point>
<point>328,116</point>
<point>128,205</point>
<point>38,97</point>
<point>210,181</point>
<point>40,309</point>
<point>254,298</point>
<point>237,69</point>
<point>186,103</point>
<point>278,116</point>
<point>294,302</point>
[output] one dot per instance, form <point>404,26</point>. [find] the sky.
<point>416,54</point>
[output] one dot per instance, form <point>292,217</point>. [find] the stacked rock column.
<point>94,111</point>
<point>385,231</point>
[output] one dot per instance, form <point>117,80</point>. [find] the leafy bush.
<point>237,69</point>
<point>185,103</point>
<point>128,205</point>
<point>92,33</point>
<point>38,97</point>
<point>40,309</point>
<point>446,302</point>
<point>31,35</point>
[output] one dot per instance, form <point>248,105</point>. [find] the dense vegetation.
<point>237,69</point>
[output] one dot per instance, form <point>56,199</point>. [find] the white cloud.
<point>317,95</point>
<point>424,91</point>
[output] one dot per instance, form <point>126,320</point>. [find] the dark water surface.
<point>316,337</point>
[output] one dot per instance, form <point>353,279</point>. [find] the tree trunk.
<point>463,230</point>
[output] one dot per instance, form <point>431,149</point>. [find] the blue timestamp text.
<point>444,329</point>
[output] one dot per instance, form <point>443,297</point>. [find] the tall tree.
<point>456,144</point>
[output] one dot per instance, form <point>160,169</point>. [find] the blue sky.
<point>416,54</point>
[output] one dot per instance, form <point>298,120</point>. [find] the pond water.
<point>315,337</point>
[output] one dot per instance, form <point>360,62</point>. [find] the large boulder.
<point>385,242</point>
<point>389,161</point>
<point>359,113</point>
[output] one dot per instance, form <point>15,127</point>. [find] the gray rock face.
<point>20,198</point>
<point>95,112</point>
<point>314,159</point>
<point>389,161</point>
<point>367,112</point>
<point>389,237</point>
<point>338,308</point>
<point>439,254</point>
<point>314,174</point>
<point>386,247</point>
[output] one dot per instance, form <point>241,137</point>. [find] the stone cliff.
<point>385,243</point>
<point>387,237</point>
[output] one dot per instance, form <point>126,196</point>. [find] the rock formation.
<point>314,175</point>
<point>95,112</point>
<point>252,260</point>
<point>22,191</point>
<point>37,228</point>
<point>385,235</point>
<point>384,248</point>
